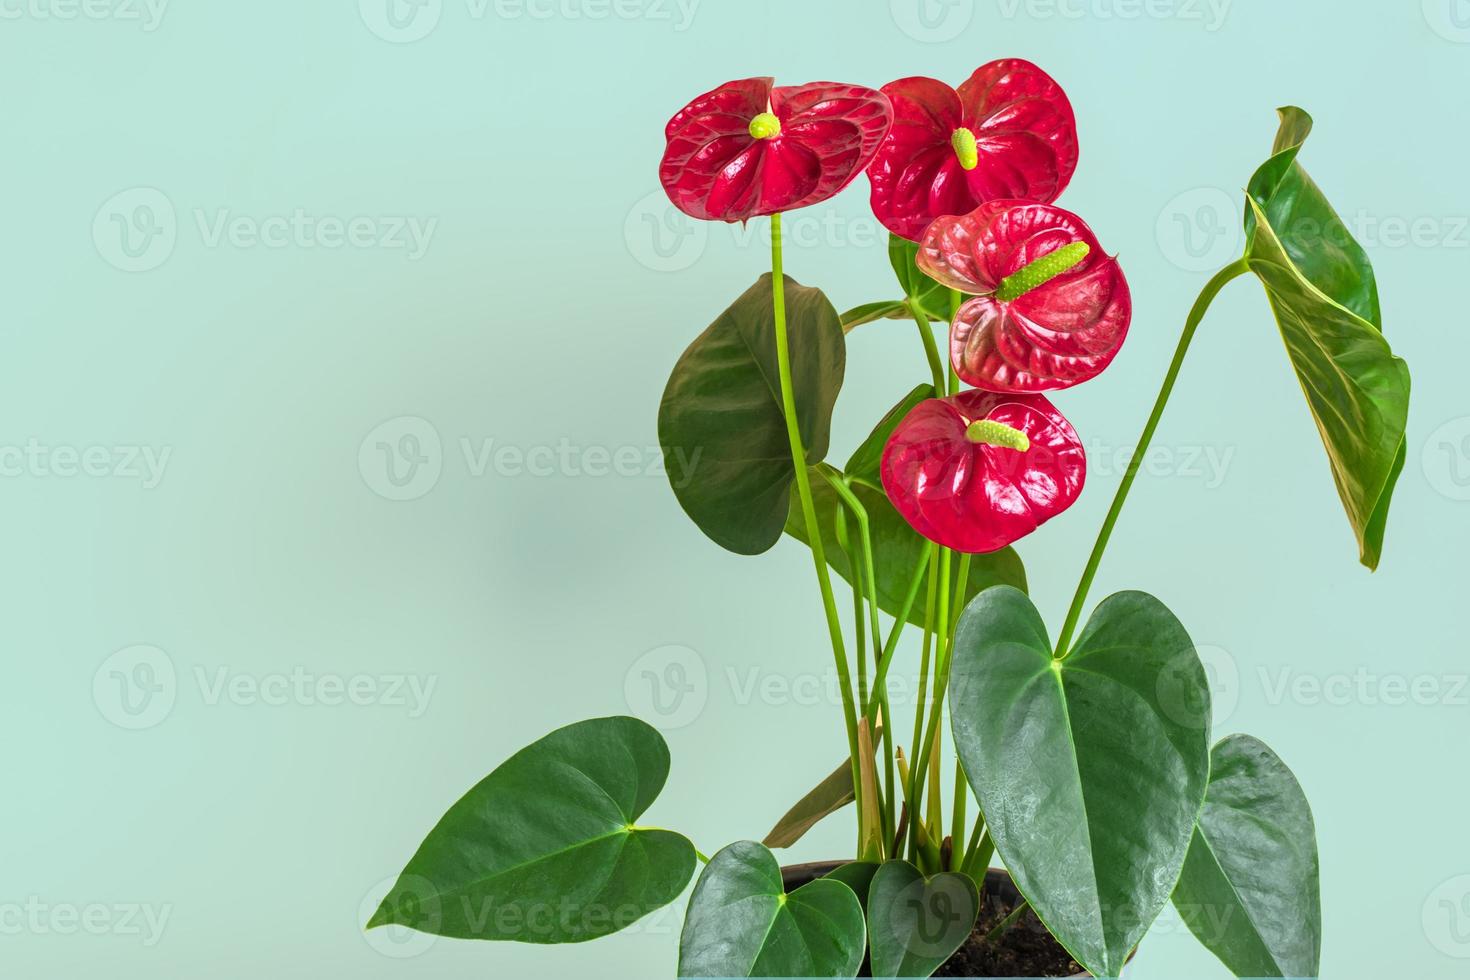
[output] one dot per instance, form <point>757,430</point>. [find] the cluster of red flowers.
<point>969,174</point>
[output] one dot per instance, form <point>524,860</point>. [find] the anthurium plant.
<point>1088,751</point>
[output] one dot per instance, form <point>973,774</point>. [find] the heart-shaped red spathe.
<point>713,167</point>
<point>974,497</point>
<point>1061,333</point>
<point>1025,145</point>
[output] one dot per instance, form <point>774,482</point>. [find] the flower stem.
<point>1191,324</point>
<point>931,349</point>
<point>865,583</point>
<point>809,508</point>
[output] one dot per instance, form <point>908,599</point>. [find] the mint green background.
<point>535,317</point>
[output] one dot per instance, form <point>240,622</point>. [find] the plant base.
<point>1026,949</point>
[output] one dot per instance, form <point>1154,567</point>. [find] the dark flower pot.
<point>1025,950</point>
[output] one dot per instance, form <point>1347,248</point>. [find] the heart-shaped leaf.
<point>1249,889</point>
<point>897,548</point>
<point>866,463</point>
<point>1321,288</point>
<point>916,923</point>
<point>1090,770</point>
<point>544,849</point>
<point>721,423</point>
<point>742,923</point>
<point>857,875</point>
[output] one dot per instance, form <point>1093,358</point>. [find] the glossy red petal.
<point>1025,132</point>
<point>1025,142</point>
<point>974,497</point>
<point>916,176</point>
<point>714,169</point>
<point>1062,333</point>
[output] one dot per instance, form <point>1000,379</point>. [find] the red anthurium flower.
<point>1051,309</point>
<point>1008,132</point>
<point>747,148</point>
<point>978,470</point>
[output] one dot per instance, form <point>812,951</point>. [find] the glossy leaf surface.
<point>916,923</point>
<point>1321,288</point>
<point>857,875</point>
<point>1091,771</point>
<point>1250,888</point>
<point>973,496</point>
<point>545,849</point>
<point>897,548</point>
<point>715,168</point>
<point>1024,143</point>
<point>1059,334</point>
<point>742,923</point>
<point>721,424</point>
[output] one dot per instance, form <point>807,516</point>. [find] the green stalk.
<point>1191,324</point>
<point>914,814</point>
<point>881,676</point>
<point>957,824</point>
<point>931,350</point>
<point>809,508</point>
<point>923,749</point>
<point>867,576</point>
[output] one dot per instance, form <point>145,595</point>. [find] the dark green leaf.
<point>865,465</point>
<point>741,922</point>
<point>932,297</point>
<point>544,849</point>
<point>1321,288</point>
<point>868,312</point>
<point>1249,889</point>
<point>1091,770</point>
<point>857,875</point>
<point>827,797</point>
<point>896,549</point>
<point>916,923</point>
<point>721,424</point>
